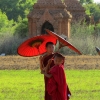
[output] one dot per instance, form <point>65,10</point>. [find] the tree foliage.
<point>14,8</point>
<point>93,10</point>
<point>21,29</point>
<point>3,19</point>
<point>13,16</point>
<point>5,24</point>
<point>86,1</point>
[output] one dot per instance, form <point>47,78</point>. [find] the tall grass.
<point>84,38</point>
<point>86,44</point>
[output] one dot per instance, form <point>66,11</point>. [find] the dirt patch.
<point>71,62</point>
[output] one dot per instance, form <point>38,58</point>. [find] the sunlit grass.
<point>84,85</point>
<point>29,84</point>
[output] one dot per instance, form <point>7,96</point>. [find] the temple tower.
<point>50,14</point>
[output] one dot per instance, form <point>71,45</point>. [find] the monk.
<point>44,62</point>
<point>47,62</point>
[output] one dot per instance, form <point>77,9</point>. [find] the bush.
<point>9,44</point>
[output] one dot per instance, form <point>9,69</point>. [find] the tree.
<point>14,8</point>
<point>5,24</point>
<point>21,29</point>
<point>86,1</point>
<point>3,19</point>
<point>93,10</point>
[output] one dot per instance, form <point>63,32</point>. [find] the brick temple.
<point>54,15</point>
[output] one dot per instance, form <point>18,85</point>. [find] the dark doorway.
<point>46,25</point>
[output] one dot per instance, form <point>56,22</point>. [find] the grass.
<point>21,85</point>
<point>29,84</point>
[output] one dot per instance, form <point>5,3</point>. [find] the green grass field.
<point>29,84</point>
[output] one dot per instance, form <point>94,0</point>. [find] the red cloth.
<point>57,87</point>
<point>45,62</point>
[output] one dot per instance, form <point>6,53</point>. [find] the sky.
<point>97,1</point>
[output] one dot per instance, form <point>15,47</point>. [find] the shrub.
<point>9,44</point>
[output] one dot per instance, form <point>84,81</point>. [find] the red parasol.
<point>35,46</point>
<point>63,42</point>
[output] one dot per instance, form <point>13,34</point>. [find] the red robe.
<point>45,62</point>
<point>57,87</point>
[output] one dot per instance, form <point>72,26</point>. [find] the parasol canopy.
<point>35,46</point>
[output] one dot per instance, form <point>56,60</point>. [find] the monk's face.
<point>50,48</point>
<point>58,60</point>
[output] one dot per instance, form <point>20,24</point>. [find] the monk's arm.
<point>48,75</point>
<point>47,68</point>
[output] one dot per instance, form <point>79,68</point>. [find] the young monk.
<point>56,86</point>
<point>47,62</point>
<point>44,62</point>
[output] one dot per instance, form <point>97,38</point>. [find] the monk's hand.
<point>49,61</point>
<point>44,68</point>
<point>42,71</point>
